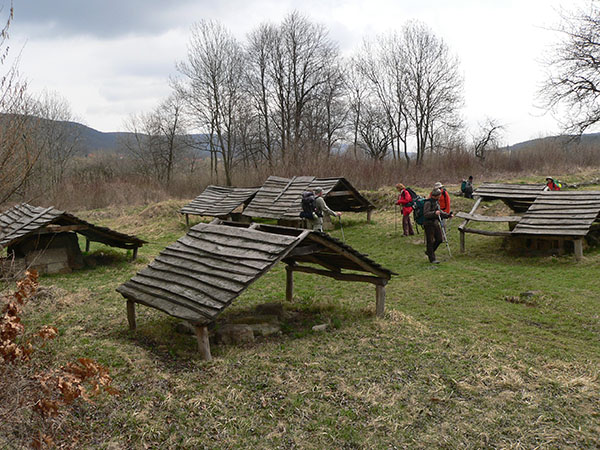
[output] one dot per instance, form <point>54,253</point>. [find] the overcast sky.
<point>110,58</point>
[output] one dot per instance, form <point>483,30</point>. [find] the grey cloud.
<point>103,19</point>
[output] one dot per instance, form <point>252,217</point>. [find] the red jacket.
<point>444,201</point>
<point>403,199</point>
<point>552,186</point>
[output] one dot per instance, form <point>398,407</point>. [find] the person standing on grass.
<point>431,223</point>
<point>405,199</point>
<point>322,208</point>
<point>466,187</point>
<point>444,200</point>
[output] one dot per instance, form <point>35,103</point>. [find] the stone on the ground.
<point>275,309</point>
<point>265,329</point>
<point>235,334</point>
<point>184,328</point>
<point>321,327</point>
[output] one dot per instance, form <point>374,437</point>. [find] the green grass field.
<point>452,365</point>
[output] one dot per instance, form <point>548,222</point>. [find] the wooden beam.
<point>87,244</point>
<point>203,342</point>
<point>341,276</point>
<point>369,211</point>
<point>135,252</point>
<point>289,283</point>
<point>462,240</point>
<point>62,228</point>
<point>578,247</point>
<point>305,250</point>
<point>131,314</point>
<point>338,249</point>
<point>485,232</point>
<point>339,193</point>
<point>187,220</point>
<point>482,218</point>
<point>380,300</point>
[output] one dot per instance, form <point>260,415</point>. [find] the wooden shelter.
<point>219,201</point>
<point>201,274</point>
<point>560,216</point>
<point>518,197</point>
<point>280,198</point>
<point>45,238</point>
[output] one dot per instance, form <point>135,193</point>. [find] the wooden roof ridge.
<point>217,201</point>
<point>24,220</point>
<point>227,258</point>
<point>560,213</point>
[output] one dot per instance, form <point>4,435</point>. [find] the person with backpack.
<point>313,207</point>
<point>444,200</point>
<point>553,185</point>
<point>466,187</point>
<point>406,199</point>
<point>432,215</point>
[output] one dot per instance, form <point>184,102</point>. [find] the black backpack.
<point>309,205</point>
<point>413,195</point>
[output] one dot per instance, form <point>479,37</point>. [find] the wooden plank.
<point>192,266</point>
<point>289,283</point>
<point>555,232</point>
<point>541,226</point>
<point>533,220</point>
<point>221,281</point>
<point>62,228</point>
<point>482,218</point>
<point>339,276</point>
<point>340,193</point>
<point>486,232</point>
<point>578,249</point>
<point>357,260</point>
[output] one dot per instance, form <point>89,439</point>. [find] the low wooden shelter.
<point>219,201</point>
<point>202,273</point>
<point>45,238</point>
<point>280,198</point>
<point>561,216</point>
<point>518,197</point>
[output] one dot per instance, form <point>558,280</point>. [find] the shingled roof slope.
<point>218,201</point>
<point>280,198</point>
<point>198,276</point>
<point>23,220</point>
<point>518,197</point>
<point>560,213</point>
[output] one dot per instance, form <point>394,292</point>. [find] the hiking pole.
<point>395,219</point>
<point>444,236</point>
<point>342,228</point>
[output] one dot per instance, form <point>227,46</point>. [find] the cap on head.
<point>318,190</point>
<point>436,193</point>
<point>438,185</point>
<point>548,178</point>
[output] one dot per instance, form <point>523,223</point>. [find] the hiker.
<point>552,185</point>
<point>321,207</point>
<point>444,197</point>
<point>466,187</point>
<point>433,231</point>
<point>405,199</point>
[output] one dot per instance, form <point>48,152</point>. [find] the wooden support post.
<point>289,284</point>
<point>203,343</point>
<point>135,250</point>
<point>131,314</point>
<point>380,305</point>
<point>369,211</point>
<point>187,220</point>
<point>87,245</point>
<point>462,241</point>
<point>578,246</point>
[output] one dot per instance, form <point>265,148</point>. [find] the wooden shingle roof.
<point>198,276</point>
<point>560,213</point>
<point>24,220</point>
<point>219,201</point>
<point>280,198</point>
<point>518,197</point>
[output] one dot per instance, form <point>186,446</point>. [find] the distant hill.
<point>590,139</point>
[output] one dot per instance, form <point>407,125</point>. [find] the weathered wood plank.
<point>339,276</point>
<point>486,232</point>
<point>482,218</point>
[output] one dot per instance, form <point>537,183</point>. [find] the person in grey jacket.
<point>431,223</point>
<point>322,208</point>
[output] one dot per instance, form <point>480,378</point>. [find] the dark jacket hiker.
<point>431,223</point>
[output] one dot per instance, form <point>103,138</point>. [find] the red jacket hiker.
<point>444,201</point>
<point>552,185</point>
<point>403,199</point>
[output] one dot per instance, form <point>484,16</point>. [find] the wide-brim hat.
<point>438,185</point>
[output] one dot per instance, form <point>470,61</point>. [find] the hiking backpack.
<point>309,205</point>
<point>413,195</point>
<point>418,203</point>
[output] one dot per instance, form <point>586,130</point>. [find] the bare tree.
<point>487,138</point>
<point>572,87</point>
<point>18,154</point>
<point>375,134</point>
<point>213,87</point>
<point>51,128</point>
<point>434,84</point>
<point>159,140</point>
